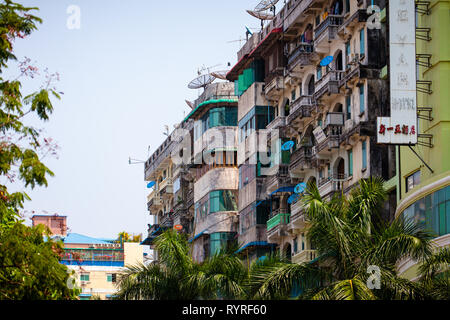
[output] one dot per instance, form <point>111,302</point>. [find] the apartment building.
<point>424,170</point>
<point>202,198</point>
<point>97,263</point>
<point>328,112</point>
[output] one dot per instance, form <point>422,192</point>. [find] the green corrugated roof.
<point>209,102</point>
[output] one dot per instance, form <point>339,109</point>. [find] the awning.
<point>284,189</point>
<point>209,102</point>
<point>256,244</point>
<point>197,236</point>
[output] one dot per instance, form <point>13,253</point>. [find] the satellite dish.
<point>326,61</point>
<point>261,15</point>
<point>265,4</point>
<point>151,184</point>
<point>287,146</point>
<point>201,82</point>
<point>293,198</point>
<point>300,188</point>
<point>190,104</point>
<point>220,74</point>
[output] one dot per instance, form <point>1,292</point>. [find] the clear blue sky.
<point>124,75</point>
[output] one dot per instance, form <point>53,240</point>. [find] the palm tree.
<point>352,239</point>
<point>176,276</point>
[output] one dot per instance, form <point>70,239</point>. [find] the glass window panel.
<point>364,155</point>
<point>442,219</point>
<point>447,214</point>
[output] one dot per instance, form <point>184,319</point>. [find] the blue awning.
<point>256,244</point>
<point>284,189</point>
<point>197,236</point>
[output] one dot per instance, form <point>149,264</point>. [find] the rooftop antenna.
<point>134,161</point>
<point>261,15</point>
<point>264,5</point>
<point>240,40</point>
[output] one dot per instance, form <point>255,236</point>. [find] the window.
<point>362,45</point>
<point>219,241</point>
<point>362,106</point>
<point>412,180</point>
<point>432,212</point>
<point>222,200</point>
<point>317,20</point>
<point>111,277</point>
<point>257,118</point>
<point>350,162</point>
<point>347,5</point>
<point>215,117</point>
<point>293,95</point>
<point>319,73</point>
<point>364,155</point>
<point>348,106</point>
<point>84,277</point>
<point>295,245</point>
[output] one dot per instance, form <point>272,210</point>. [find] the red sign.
<point>178,227</point>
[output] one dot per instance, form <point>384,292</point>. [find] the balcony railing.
<point>334,119</point>
<point>303,55</point>
<point>278,122</point>
<point>300,158</point>
<point>300,108</point>
<point>329,83</point>
<point>330,24</point>
<point>331,184</point>
<point>278,219</point>
<point>304,256</point>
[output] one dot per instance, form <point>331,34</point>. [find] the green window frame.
<point>350,162</point>
<point>222,200</point>
<point>84,277</point>
<point>348,105</point>
<point>364,155</point>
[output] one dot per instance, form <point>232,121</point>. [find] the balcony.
<point>327,32</point>
<point>346,29</point>
<point>334,119</point>
<point>353,131</point>
<point>298,217</point>
<point>277,225</point>
<point>154,201</point>
<point>333,135</point>
<point>166,187</point>
<point>274,84</point>
<point>329,84</point>
<point>328,186</point>
<point>277,123</point>
<point>302,56</point>
<point>300,110</point>
<point>278,178</point>
<point>304,256</point>
<point>301,160</point>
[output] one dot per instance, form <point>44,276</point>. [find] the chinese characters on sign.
<point>401,127</point>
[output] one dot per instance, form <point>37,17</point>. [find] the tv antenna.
<point>166,133</point>
<point>134,161</point>
<point>264,5</point>
<point>261,15</point>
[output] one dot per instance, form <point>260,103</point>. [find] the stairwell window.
<point>364,155</point>
<point>350,162</point>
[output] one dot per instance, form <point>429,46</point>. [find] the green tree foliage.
<point>176,276</point>
<point>29,266</point>
<point>349,236</point>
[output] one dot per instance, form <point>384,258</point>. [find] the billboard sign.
<point>401,126</point>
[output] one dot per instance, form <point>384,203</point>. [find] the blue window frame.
<point>362,100</point>
<point>362,44</point>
